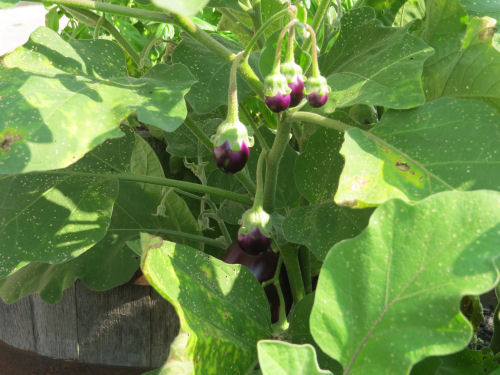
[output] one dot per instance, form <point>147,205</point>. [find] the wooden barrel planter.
<point>127,326</point>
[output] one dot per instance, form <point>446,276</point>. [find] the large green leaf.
<point>318,168</point>
<point>465,64</point>
<point>221,306</point>
<point>211,71</point>
<point>321,226</point>
<point>283,358</point>
<point>61,99</point>
<point>447,144</point>
<point>386,10</point>
<point>56,216</point>
<point>482,8</point>
<point>186,8</point>
<point>465,362</point>
<point>109,263</point>
<point>371,64</point>
<point>390,297</point>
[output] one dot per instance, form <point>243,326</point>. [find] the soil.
<point>20,362</point>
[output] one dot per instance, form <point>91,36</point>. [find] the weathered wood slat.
<point>165,325</point>
<point>129,325</point>
<point>16,324</point>
<point>55,326</point>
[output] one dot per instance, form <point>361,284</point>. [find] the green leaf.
<point>282,358</point>
<point>386,10</point>
<point>61,99</point>
<point>318,168</point>
<point>221,306</point>
<point>390,297</point>
<point>465,64</point>
<point>7,3</point>
<point>109,263</point>
<point>371,64</point>
<point>465,362</point>
<point>299,332</point>
<point>490,8</point>
<point>321,226</point>
<point>183,143</point>
<point>183,7</point>
<point>233,4</point>
<point>56,216</point>
<point>447,144</point>
<point>211,71</point>
<point>179,361</point>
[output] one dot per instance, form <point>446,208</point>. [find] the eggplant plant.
<point>317,192</point>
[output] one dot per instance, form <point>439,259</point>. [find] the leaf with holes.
<point>371,64</point>
<point>61,99</point>
<point>109,263</point>
<point>283,358</point>
<point>465,64</point>
<point>447,144</point>
<point>221,306</point>
<point>390,297</point>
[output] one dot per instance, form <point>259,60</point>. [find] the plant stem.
<point>114,9</point>
<point>291,259</point>
<point>183,185</point>
<point>94,19</point>
<point>202,137</point>
<point>98,26</point>
<point>232,92</point>
<point>206,40</point>
<point>174,233</point>
<point>259,195</point>
<point>276,273</point>
<point>495,340</point>
<point>273,161</point>
<point>289,52</point>
<point>264,27</point>
<point>256,131</point>
<point>316,22</point>
<point>314,52</point>
<point>238,24</point>
<point>305,262</point>
<point>282,324</point>
<point>277,56</point>
<point>256,15</point>
<point>316,119</point>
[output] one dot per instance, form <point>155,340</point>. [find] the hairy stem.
<point>174,233</point>
<point>93,19</point>
<point>316,22</point>
<point>255,128</point>
<point>114,9</point>
<point>259,195</point>
<point>183,185</point>
<point>291,259</point>
<point>273,161</point>
<point>316,119</point>
<point>277,56</point>
<point>264,27</point>
<point>305,263</point>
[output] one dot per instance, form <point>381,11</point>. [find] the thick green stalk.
<point>263,29</point>
<point>256,131</point>
<point>183,185</point>
<point>114,9</point>
<point>290,256</point>
<point>316,119</point>
<point>316,22</point>
<point>244,68</point>
<point>256,15</point>
<point>273,161</point>
<point>259,195</point>
<point>94,20</point>
<point>174,233</point>
<point>202,137</point>
<point>305,266</point>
